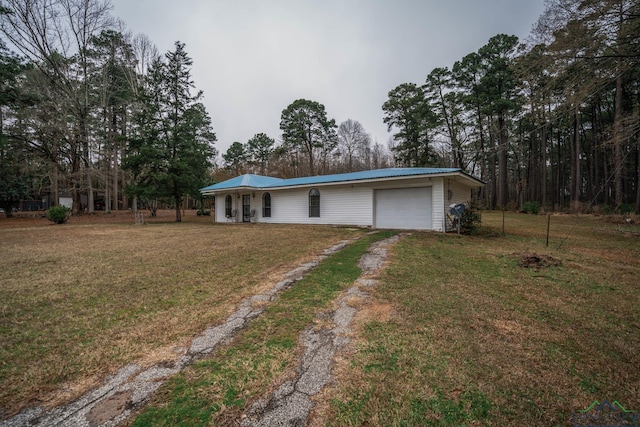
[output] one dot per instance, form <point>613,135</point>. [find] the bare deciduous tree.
<point>353,144</point>
<point>55,36</point>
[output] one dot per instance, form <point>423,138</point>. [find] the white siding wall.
<point>438,204</point>
<point>338,205</point>
<point>460,193</point>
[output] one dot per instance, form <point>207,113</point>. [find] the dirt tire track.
<point>292,402</point>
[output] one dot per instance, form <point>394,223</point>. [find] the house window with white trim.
<point>314,203</point>
<point>266,205</point>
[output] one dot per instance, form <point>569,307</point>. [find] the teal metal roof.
<point>362,175</point>
<point>265,182</point>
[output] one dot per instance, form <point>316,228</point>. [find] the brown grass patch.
<point>375,311</point>
<point>509,327</point>
<point>80,300</point>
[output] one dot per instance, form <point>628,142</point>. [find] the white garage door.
<point>404,208</point>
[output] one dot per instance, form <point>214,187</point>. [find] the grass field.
<point>80,300</point>
<point>477,339</point>
<point>463,330</point>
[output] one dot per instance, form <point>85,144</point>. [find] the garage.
<point>403,208</point>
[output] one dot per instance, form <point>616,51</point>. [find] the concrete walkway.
<point>131,387</point>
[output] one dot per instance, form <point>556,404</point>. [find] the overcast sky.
<point>252,58</point>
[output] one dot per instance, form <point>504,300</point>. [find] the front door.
<point>246,208</point>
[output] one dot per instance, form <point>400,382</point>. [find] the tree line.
<point>311,144</point>
<point>553,121</point>
<point>90,110</point>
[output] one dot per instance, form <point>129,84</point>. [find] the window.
<point>227,206</point>
<point>314,203</point>
<point>266,205</point>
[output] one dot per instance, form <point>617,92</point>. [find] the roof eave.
<point>477,182</point>
<point>228,189</point>
<point>472,179</point>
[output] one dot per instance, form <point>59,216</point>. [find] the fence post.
<point>548,225</point>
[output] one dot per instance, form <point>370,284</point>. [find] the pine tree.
<point>259,150</point>
<point>305,126</point>
<point>408,111</point>
<point>174,146</point>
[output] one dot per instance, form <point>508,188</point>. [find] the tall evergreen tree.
<point>447,104</point>
<point>113,89</point>
<point>305,126</point>
<point>259,150</point>
<point>408,112</point>
<point>235,157</point>
<point>498,86</point>
<point>173,150</point>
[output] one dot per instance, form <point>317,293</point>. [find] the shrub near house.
<point>58,214</point>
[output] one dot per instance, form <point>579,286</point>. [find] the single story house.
<point>398,198</point>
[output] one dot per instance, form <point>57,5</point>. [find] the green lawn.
<point>476,339</point>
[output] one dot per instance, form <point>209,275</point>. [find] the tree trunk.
<point>55,195</point>
<point>114,193</point>
<point>617,144</point>
<point>533,180</point>
<point>309,147</point>
<point>576,182</point>
<point>543,167</point>
<point>559,182</point>
<point>597,146</point>
<point>123,182</point>
<point>492,164</point>
<point>605,174</point>
<point>76,177</point>
<point>86,151</point>
<point>484,193</point>
<point>178,202</point>
<point>114,136</point>
<point>638,177</point>
<point>502,163</point>
<point>123,174</point>
<point>107,187</point>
